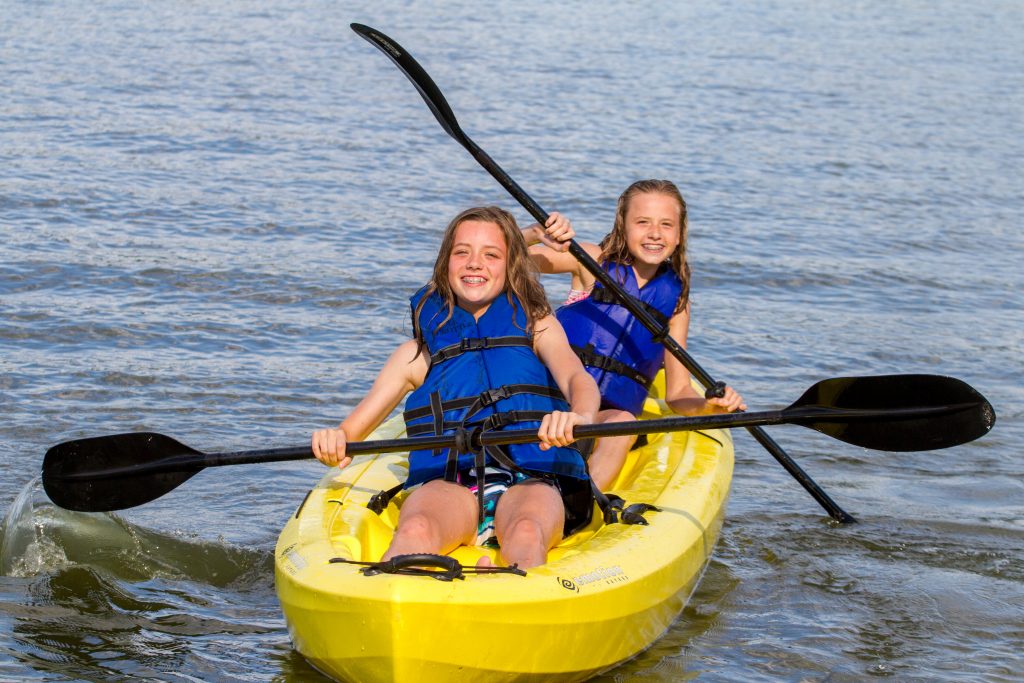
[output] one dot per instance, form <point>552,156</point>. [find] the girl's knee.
<point>525,543</point>
<point>613,415</point>
<point>525,531</point>
<point>417,527</point>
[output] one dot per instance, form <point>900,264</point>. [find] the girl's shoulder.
<point>594,250</point>
<point>542,324</point>
<point>413,357</point>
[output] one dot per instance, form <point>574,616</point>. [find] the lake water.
<point>212,215</point>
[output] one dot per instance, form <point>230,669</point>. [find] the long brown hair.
<point>615,249</point>
<point>520,273</point>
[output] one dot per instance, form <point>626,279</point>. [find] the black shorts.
<point>576,494</point>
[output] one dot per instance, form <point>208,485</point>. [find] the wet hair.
<point>520,273</point>
<point>615,249</point>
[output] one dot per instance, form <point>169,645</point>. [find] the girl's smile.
<point>476,267</point>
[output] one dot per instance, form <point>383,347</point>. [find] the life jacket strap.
<point>606,296</point>
<point>492,396</point>
<point>590,357</point>
<point>437,411</point>
<point>467,344</point>
<point>499,420</point>
<point>479,464</point>
<point>495,421</point>
<point>430,429</point>
<point>482,400</point>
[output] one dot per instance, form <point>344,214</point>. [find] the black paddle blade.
<point>428,90</point>
<point>897,412</point>
<point>117,471</point>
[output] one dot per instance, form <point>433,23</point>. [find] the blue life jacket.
<point>483,373</point>
<point>618,351</point>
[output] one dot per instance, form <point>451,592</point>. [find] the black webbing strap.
<point>614,508</point>
<point>431,429</point>
<point>500,457</point>
<point>495,421</point>
<point>499,420</point>
<point>479,462</point>
<point>437,411</point>
<point>610,505</point>
<point>451,465</point>
<point>590,357</point>
<point>464,443</point>
<point>483,399</point>
<point>379,501</point>
<point>476,344</point>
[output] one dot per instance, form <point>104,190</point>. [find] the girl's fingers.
<point>329,447</point>
<point>548,431</point>
<point>559,228</point>
<point>556,429</point>
<point>731,401</point>
<point>320,446</point>
<point>735,400</point>
<point>542,432</point>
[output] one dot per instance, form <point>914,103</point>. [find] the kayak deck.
<point>604,595</point>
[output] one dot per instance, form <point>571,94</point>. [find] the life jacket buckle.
<point>472,344</point>
<point>492,396</point>
<point>499,420</point>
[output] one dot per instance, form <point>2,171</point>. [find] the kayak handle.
<point>417,564</point>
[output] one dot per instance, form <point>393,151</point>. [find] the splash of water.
<point>20,550</point>
<point>39,537</point>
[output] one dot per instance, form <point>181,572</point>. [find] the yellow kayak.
<point>605,594</point>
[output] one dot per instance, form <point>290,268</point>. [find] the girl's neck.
<point>644,273</point>
<point>476,310</point>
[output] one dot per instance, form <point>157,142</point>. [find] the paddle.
<point>890,412</point>
<point>439,106</point>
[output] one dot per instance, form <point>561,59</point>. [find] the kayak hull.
<point>605,594</point>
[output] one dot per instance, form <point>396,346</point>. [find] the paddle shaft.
<point>805,415</point>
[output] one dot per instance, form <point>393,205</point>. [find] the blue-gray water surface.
<point>212,215</point>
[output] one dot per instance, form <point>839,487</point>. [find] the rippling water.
<point>211,216</point>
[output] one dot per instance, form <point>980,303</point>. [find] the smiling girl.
<point>646,254</point>
<point>487,353</point>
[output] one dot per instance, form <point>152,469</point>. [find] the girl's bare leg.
<point>528,522</point>
<point>609,454</point>
<point>436,518</point>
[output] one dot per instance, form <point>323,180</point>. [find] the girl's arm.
<point>552,347</point>
<point>403,372</point>
<point>680,395</point>
<point>549,250</point>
